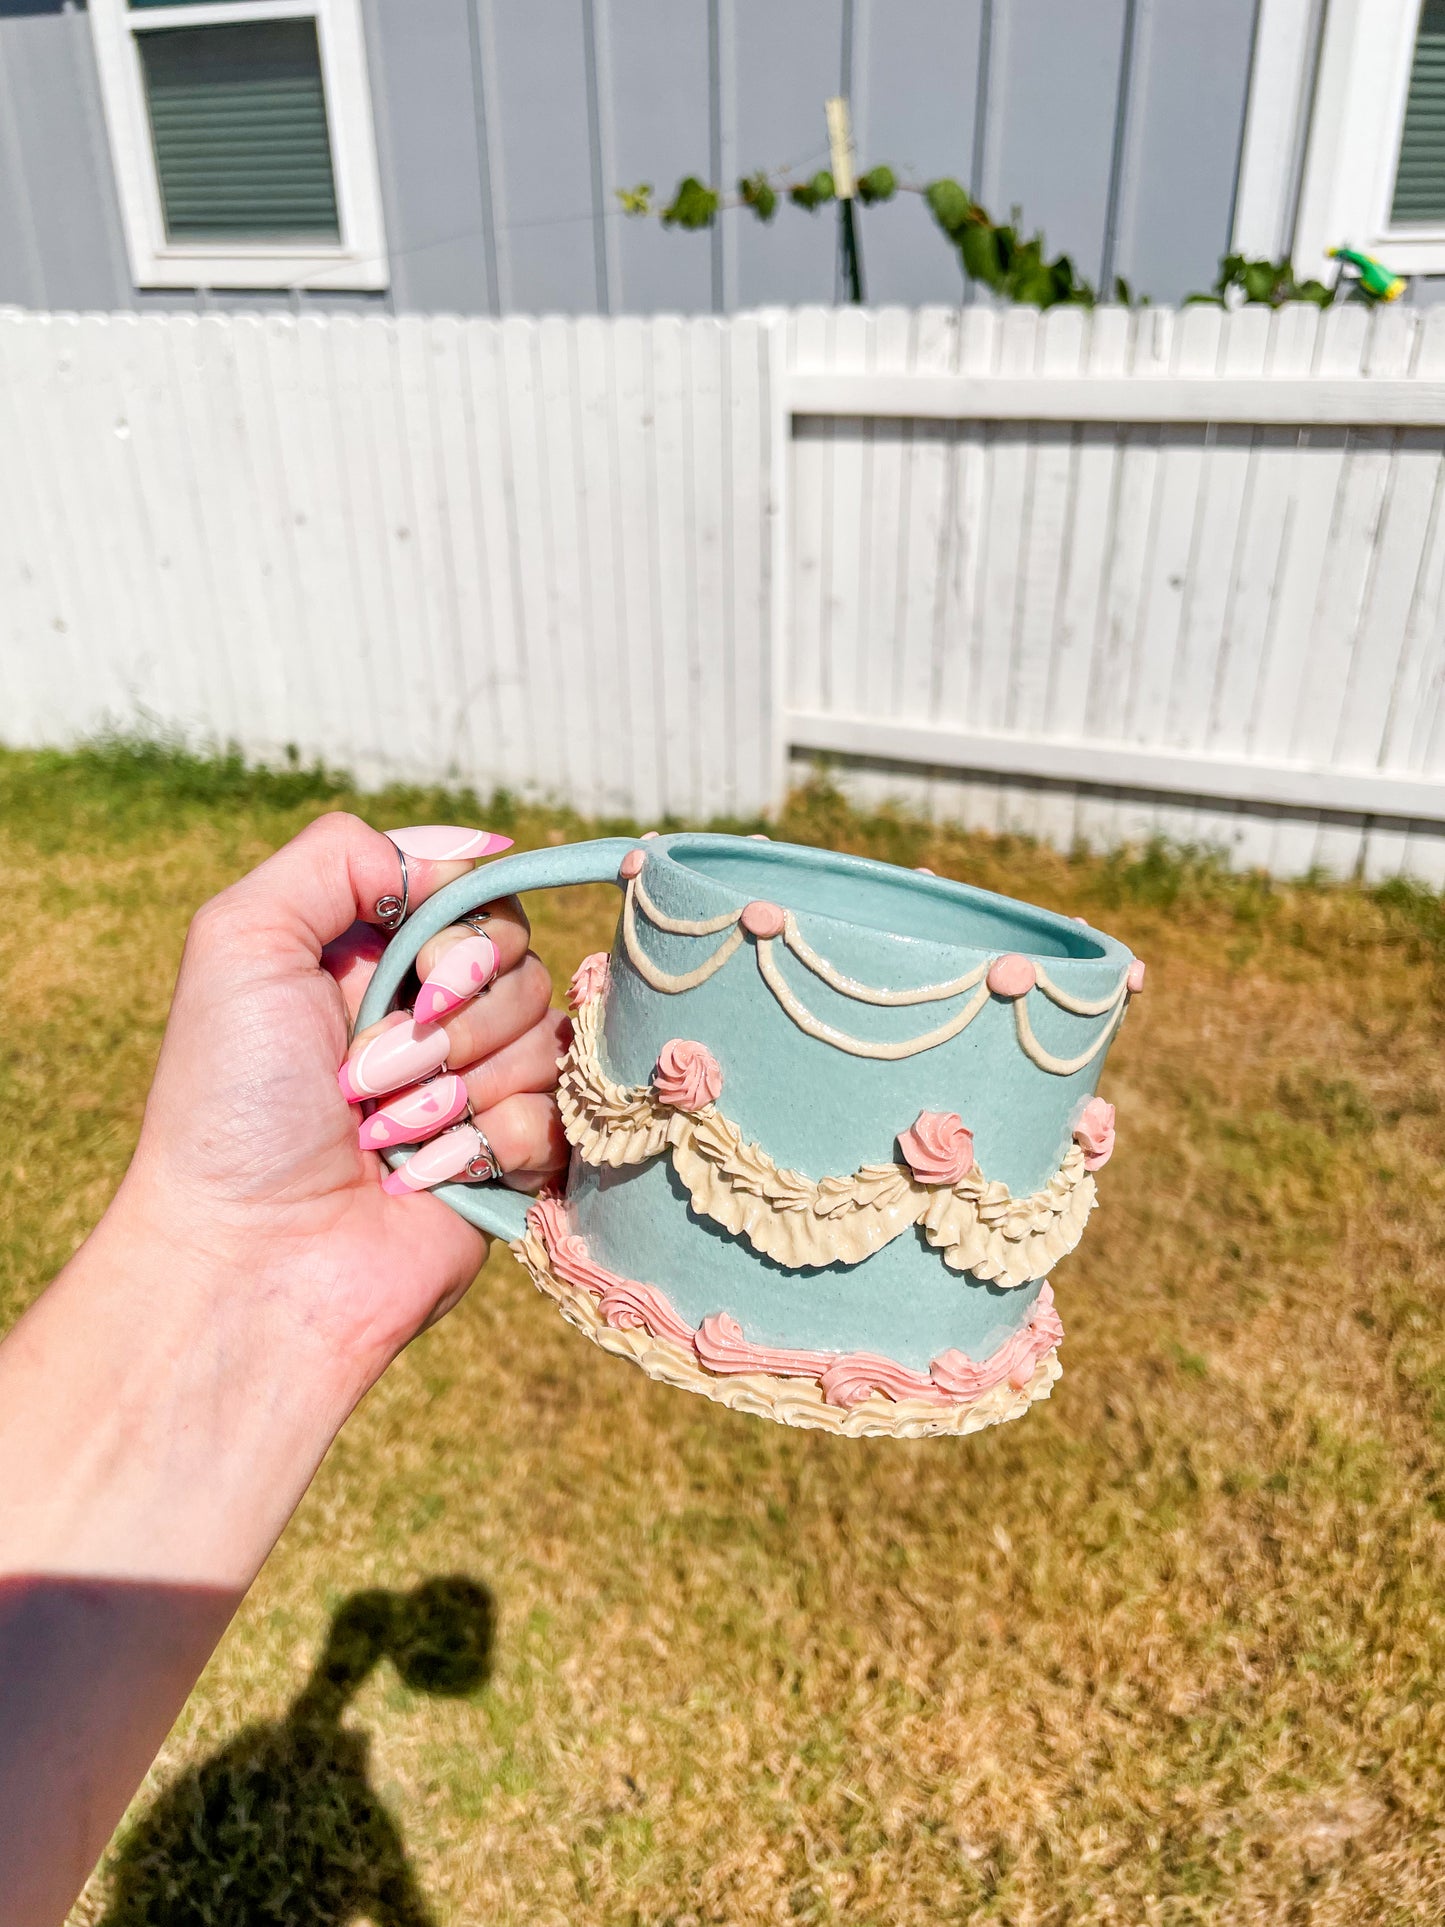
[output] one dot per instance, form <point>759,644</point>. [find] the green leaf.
<point>978,244</point>
<point>1122,291</point>
<point>950,206</point>
<point>759,194</point>
<point>812,194</point>
<point>1315,291</point>
<point>878,184</point>
<point>693,206</point>
<point>1260,280</point>
<point>635,200</point>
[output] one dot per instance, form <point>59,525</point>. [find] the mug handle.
<point>491,1208</point>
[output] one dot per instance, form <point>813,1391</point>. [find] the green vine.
<point>996,254</point>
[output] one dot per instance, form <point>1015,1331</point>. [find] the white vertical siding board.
<point>1059,349</point>
<point>1318,473</point>
<point>210,457</point>
<point>1257,602</point>
<point>383,697</point>
<point>550,766</point>
<point>432,598</point>
<point>922,539</point>
<point>1011,449</point>
<point>36,615</point>
<point>712,649</point>
<point>115,636</point>
<point>848,535</point>
<point>498,697</point>
<point>812,466</point>
<point>643,727</point>
<point>672,509</point>
<point>267,372</point>
<point>448,512</point>
<point>885,512</point>
<point>1347,584</point>
<point>1130,548</point>
<point>746,485</point>
<point>1082,627</point>
<point>599,640</point>
<point>40,452</point>
<point>567,561</point>
<point>342,563</point>
<point>1421,662</point>
<point>967,342</point>
<point>1213,576</point>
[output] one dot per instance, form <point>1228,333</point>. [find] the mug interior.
<point>900,902</point>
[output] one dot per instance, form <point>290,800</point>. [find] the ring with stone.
<point>390,911</point>
<point>486,1166</point>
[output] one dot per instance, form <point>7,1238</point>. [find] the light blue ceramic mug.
<point>833,1122</point>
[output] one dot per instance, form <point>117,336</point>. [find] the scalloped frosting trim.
<point>856,1395</point>
<point>1011,977</point>
<point>977,1224</point>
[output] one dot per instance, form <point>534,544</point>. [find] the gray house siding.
<point>503,127</point>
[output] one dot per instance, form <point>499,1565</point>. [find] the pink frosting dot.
<point>1135,979</point>
<point>687,1075</point>
<point>1011,976</point>
<point>647,835</point>
<point>762,919</point>
<point>631,864</point>
<point>924,871</point>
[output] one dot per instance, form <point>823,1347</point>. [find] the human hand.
<point>249,1159</point>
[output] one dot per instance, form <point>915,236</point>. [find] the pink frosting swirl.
<point>720,1346</point>
<point>1094,1133</point>
<point>939,1148</point>
<point>589,980</point>
<point>687,1075</point>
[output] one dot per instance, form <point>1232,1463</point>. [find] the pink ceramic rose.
<point>589,980</point>
<point>1094,1133</point>
<point>939,1148</point>
<point>687,1075</point>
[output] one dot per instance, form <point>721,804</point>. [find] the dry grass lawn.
<point>1169,1650</point>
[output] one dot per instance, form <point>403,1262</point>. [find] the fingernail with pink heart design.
<point>469,966</point>
<point>413,1115</point>
<point>401,1054</point>
<point>447,842</point>
<point>445,1157</point>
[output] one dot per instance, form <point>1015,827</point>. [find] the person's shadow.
<point>281,1828</point>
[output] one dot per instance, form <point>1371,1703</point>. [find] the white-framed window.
<point>1374,174</point>
<point>242,139</point>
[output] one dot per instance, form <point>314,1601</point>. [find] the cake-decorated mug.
<point>833,1123</point>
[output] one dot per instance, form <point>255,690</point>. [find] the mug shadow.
<point>281,1827</point>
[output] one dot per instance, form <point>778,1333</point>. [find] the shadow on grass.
<point>281,1827</point>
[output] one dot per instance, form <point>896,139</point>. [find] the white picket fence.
<point>1089,576</point>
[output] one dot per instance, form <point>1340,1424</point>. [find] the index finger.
<point>337,871</point>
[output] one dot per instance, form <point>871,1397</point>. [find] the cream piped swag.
<point>976,1223</point>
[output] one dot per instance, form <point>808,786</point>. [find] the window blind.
<point>238,123</point>
<point>1420,178</point>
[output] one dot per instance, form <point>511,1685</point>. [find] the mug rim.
<point>1074,942</point>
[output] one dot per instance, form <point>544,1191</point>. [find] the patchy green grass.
<point>1168,1650</point>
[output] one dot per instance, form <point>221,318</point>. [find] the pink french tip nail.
<point>402,1054</point>
<point>445,1157</point>
<point>469,966</point>
<point>415,1114</point>
<point>447,843</point>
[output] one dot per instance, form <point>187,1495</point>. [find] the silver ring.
<point>391,910</point>
<point>486,1166</point>
<point>476,918</point>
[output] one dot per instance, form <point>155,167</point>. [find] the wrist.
<point>171,1411</point>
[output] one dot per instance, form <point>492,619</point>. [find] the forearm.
<point>158,1424</point>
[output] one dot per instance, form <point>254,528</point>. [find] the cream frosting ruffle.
<point>978,1225</point>
<point>790,1401</point>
